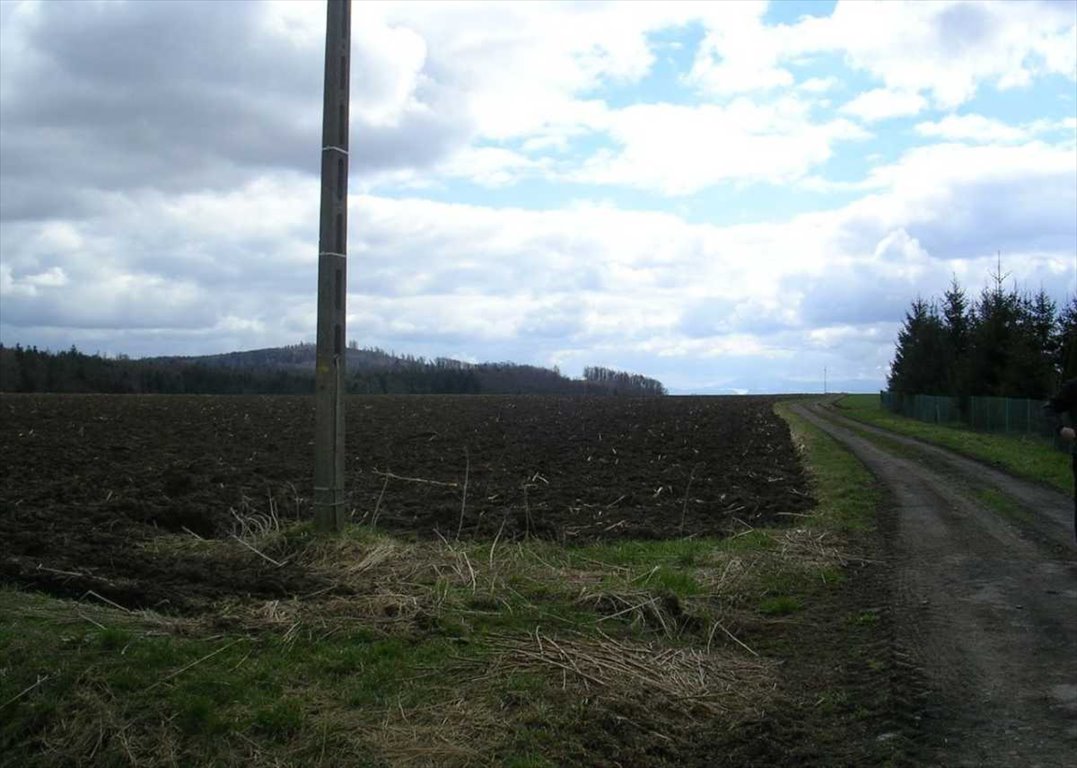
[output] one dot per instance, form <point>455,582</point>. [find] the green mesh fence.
<point>987,414</point>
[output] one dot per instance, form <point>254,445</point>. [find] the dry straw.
<point>689,679</point>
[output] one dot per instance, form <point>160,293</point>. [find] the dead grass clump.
<point>457,731</point>
<point>250,522</point>
<point>662,613</point>
<point>728,573</point>
<point>357,563</point>
<point>384,610</point>
<point>811,548</point>
<point>690,680</point>
<point>382,585</point>
<point>92,609</point>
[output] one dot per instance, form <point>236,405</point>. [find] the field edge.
<point>481,652</point>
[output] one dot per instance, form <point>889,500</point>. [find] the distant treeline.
<point>290,370</point>
<point>1002,343</point>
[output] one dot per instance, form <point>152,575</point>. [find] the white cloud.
<point>985,130</point>
<point>520,68</point>
<point>54,277</point>
<point>533,76</point>
<point>819,84</point>
<point>948,49</point>
<point>972,128</point>
<point>620,286</point>
<point>661,286</point>
<point>679,150</point>
<point>883,104</point>
<point>492,166</point>
<point>738,54</point>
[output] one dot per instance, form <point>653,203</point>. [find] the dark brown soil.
<point>86,478</point>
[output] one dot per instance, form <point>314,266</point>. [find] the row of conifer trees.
<point>1002,343</point>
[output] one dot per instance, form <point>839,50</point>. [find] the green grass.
<point>1024,456</point>
<point>671,552</point>
<point>847,493</point>
<point>780,605</point>
<point>1003,505</point>
<point>208,694</point>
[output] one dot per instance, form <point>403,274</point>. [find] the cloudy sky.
<point>726,196</point>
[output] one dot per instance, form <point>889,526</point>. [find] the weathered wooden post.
<point>329,512</point>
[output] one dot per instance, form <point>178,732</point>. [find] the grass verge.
<point>519,653</point>
<point>846,491</point>
<point>1024,456</point>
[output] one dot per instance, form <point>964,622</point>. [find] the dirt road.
<point>985,599</point>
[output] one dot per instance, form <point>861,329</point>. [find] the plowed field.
<point>84,480</point>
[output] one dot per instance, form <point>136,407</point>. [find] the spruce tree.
<point>1066,351</point>
<point>918,366</point>
<point>957,321</point>
<point>993,339</point>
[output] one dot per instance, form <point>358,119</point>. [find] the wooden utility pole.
<point>329,512</point>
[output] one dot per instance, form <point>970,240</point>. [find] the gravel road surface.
<point>985,597</point>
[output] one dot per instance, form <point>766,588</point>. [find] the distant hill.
<point>291,357</point>
<point>290,370</point>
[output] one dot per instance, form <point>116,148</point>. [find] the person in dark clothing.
<point>1065,402</point>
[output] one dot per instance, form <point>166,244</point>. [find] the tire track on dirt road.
<point>985,602</point>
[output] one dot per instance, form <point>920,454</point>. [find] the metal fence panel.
<point>987,414</point>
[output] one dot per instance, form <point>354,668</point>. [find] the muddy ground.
<point>983,600</point>
<point>84,478</point>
